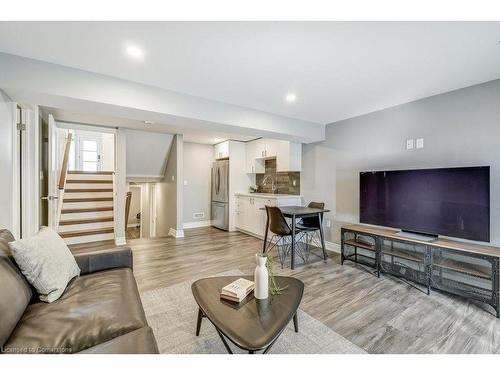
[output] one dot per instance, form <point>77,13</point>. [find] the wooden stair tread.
<point>86,221</point>
<point>77,210</point>
<point>76,200</point>
<point>88,190</point>
<point>87,232</point>
<point>86,172</point>
<point>89,181</point>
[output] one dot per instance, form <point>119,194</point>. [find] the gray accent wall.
<point>198,159</point>
<point>460,128</point>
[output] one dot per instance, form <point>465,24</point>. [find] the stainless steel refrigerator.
<point>220,194</point>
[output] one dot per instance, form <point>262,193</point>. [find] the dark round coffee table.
<point>254,325</point>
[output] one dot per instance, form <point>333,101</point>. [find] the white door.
<point>89,153</point>
<point>53,189</point>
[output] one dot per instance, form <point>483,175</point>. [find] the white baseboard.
<point>332,246</point>
<point>176,233</point>
<point>120,241</point>
<point>197,224</point>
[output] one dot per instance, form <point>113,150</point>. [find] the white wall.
<point>198,159</point>
<point>169,192</point>
<point>108,152</point>
<point>239,180</point>
<point>460,128</point>
<point>120,186</point>
<point>147,153</point>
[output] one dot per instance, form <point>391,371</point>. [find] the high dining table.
<point>299,212</point>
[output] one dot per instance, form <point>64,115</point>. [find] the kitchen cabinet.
<point>251,214</point>
<point>221,150</point>
<point>288,155</point>
<point>254,162</point>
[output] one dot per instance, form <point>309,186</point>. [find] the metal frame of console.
<point>467,270</point>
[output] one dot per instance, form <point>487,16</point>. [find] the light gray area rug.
<point>172,311</point>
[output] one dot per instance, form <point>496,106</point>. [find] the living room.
<point>240,187</point>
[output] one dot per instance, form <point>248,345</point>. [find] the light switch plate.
<point>420,143</point>
<point>185,182</point>
<point>328,223</point>
<point>410,144</point>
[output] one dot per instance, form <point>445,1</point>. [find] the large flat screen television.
<point>452,202</point>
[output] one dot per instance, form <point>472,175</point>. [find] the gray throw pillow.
<point>46,262</point>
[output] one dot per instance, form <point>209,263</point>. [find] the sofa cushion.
<point>140,341</point>
<point>15,292</point>
<point>46,261</point>
<point>94,308</point>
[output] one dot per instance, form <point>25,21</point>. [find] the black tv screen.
<point>451,202</point>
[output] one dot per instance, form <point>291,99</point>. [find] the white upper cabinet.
<point>288,155</point>
<point>221,150</point>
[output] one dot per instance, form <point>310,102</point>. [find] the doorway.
<point>89,153</point>
<point>134,217</point>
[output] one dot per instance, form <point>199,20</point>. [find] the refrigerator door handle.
<point>217,186</point>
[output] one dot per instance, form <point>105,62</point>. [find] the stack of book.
<point>237,291</point>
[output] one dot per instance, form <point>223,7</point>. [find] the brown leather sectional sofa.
<point>99,312</point>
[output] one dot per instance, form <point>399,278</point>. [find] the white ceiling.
<point>337,69</point>
<point>189,135</point>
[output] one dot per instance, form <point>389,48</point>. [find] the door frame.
<point>25,170</point>
<point>152,210</point>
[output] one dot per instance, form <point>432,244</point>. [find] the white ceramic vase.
<point>261,278</point>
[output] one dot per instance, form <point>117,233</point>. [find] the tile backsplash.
<point>284,180</point>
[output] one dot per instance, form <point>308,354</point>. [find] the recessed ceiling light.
<point>290,98</point>
<point>148,122</point>
<point>135,51</point>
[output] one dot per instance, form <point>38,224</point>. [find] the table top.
<point>300,211</point>
<point>255,324</point>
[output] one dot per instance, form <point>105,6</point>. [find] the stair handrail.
<point>64,166</point>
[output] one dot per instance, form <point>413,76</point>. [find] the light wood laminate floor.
<point>381,315</point>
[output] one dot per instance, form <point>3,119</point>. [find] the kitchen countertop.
<point>266,195</point>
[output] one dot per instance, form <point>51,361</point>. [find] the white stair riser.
<point>88,186</point>
<point>92,238</point>
<point>78,176</point>
<point>87,204</point>
<point>88,195</point>
<point>76,227</point>
<point>85,215</point>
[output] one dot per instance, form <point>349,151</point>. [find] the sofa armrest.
<point>99,260</point>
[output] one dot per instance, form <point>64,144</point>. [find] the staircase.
<point>87,207</point>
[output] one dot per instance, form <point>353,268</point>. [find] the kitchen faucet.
<point>274,188</point>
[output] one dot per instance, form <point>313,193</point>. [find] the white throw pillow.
<point>46,262</point>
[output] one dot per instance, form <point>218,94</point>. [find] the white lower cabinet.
<point>251,214</point>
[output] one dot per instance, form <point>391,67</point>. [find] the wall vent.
<point>198,215</point>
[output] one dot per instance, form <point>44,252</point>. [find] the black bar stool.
<point>311,226</point>
<point>282,236</point>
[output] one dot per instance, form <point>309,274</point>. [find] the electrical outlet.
<point>328,223</point>
<point>420,143</point>
<point>410,144</point>
<point>173,178</point>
